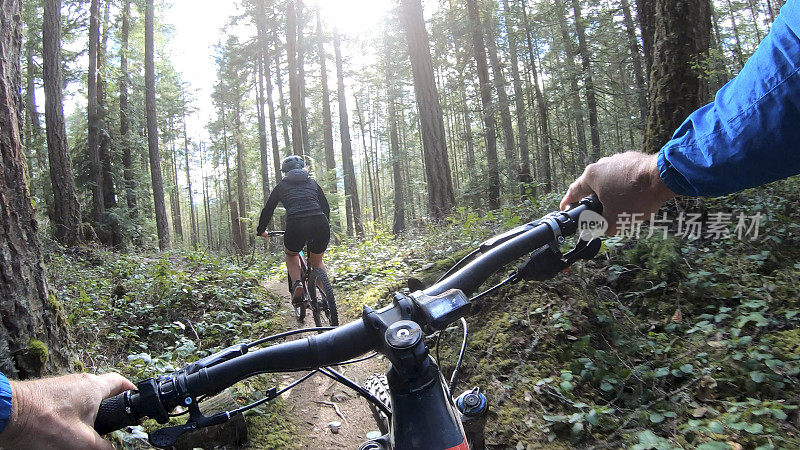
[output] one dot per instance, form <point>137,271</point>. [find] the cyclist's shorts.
<point>313,229</point>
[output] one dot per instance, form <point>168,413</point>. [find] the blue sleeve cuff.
<point>5,401</point>
<point>676,182</point>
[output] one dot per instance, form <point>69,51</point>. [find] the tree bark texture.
<point>479,53</point>
<point>350,189</point>
<point>33,332</point>
<point>152,129</point>
<point>66,210</point>
<point>677,82</point>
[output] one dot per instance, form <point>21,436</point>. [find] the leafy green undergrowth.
<point>657,343</point>
<point>145,315</point>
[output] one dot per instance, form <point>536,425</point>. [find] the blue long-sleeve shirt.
<point>750,134</point>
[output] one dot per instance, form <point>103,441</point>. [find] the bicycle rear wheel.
<point>323,304</point>
<point>300,308</point>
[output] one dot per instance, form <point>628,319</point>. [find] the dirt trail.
<point>309,413</point>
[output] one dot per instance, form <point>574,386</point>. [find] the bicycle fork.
<point>472,407</point>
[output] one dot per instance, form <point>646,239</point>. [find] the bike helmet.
<point>291,163</point>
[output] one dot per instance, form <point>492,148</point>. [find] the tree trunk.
<point>327,125</point>
<point>262,126</point>
<point>575,98</point>
<point>398,222</point>
<point>194,234</point>
<point>241,175</point>
<point>368,170</point>
<point>524,171</point>
<point>174,192</point>
<point>503,104</point>
<point>206,205</point>
<point>273,130</point>
<point>486,104</point>
<point>294,81</point>
<point>646,12</point>
<point>541,105</point>
<point>437,166</point>
<point>633,46</point>
<point>152,129</point>
<point>33,126</point>
<point>261,62</point>
<point>588,81</point>
<point>125,140</point>
<point>33,332</point>
<point>104,140</point>
<point>737,41</point>
<point>281,101</point>
<point>754,17</point>
<point>66,210</point>
<point>677,84</point>
<point>301,74</point>
<point>350,190</point>
<point>236,230</point>
<point>96,183</point>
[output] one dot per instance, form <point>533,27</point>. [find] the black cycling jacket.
<point>299,194</point>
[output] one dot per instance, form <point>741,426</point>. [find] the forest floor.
<point>310,405</point>
<point>658,342</point>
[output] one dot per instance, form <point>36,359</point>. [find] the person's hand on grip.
<point>626,183</point>
<point>265,234</point>
<point>59,412</point>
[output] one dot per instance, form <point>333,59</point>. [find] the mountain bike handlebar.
<point>432,309</point>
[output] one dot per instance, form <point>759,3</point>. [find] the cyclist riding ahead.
<point>307,213</point>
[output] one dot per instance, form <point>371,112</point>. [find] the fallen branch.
<point>335,408</point>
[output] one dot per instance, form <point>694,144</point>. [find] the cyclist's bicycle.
<point>414,402</point>
<point>317,294</point>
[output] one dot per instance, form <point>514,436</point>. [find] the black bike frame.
<point>423,413</point>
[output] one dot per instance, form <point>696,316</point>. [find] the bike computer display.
<point>443,309</point>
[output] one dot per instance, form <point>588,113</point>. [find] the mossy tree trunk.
<point>33,333</point>
<point>682,35</point>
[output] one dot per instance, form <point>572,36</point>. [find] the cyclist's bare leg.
<point>293,264</point>
<point>315,261</point>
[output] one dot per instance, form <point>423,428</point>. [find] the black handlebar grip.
<point>593,202</point>
<point>113,415</point>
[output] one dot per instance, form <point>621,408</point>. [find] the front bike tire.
<point>377,385</point>
<point>323,304</point>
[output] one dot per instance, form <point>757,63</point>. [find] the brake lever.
<point>546,262</point>
<point>167,436</point>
